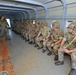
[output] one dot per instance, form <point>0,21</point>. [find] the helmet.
<point>56,24</point>
<point>72,25</point>
<point>44,23</point>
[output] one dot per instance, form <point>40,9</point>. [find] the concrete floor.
<point>28,60</point>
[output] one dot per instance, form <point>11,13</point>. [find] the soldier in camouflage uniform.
<point>4,28</point>
<point>66,40</point>
<point>56,38</point>
<point>64,47</point>
<point>35,31</point>
<point>70,48</point>
<point>43,35</point>
<point>28,28</point>
<point>33,27</point>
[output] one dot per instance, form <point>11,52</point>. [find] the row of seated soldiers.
<point>54,40</point>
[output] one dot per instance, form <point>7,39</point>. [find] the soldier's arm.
<point>49,32</point>
<point>73,50</point>
<point>59,41</point>
<point>47,36</point>
<point>53,39</point>
<point>38,34</point>
<point>62,43</point>
<point>69,51</point>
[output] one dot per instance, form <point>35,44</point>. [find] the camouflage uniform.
<point>36,30</point>
<point>67,39</point>
<point>4,29</point>
<point>31,34</point>
<point>56,36</point>
<point>44,32</point>
<point>28,30</point>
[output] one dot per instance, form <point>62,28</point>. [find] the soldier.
<point>33,27</point>
<point>43,35</point>
<point>56,38</point>
<point>67,39</point>
<point>27,30</point>
<point>68,46</point>
<point>4,28</point>
<point>35,32</point>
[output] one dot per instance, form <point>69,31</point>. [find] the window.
<point>8,21</point>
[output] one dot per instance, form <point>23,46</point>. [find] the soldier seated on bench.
<point>70,48</point>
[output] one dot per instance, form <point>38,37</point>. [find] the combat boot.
<point>30,42</point>
<point>50,53</point>
<point>40,48</point>
<point>36,45</point>
<point>59,63</point>
<point>72,72</point>
<point>56,57</point>
<point>43,50</point>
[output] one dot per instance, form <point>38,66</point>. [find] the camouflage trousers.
<point>73,58</point>
<point>55,48</point>
<point>38,41</point>
<point>26,36</point>
<point>31,38</point>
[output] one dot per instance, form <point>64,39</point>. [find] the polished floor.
<point>28,60</point>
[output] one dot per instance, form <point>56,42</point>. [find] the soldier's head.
<point>71,27</point>
<point>44,23</point>
<point>37,23</point>
<point>2,17</point>
<point>56,25</point>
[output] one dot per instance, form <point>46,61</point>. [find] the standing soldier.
<point>4,28</point>
<point>56,39</point>
<point>69,48</point>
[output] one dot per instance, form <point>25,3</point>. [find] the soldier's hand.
<point>52,45</point>
<point>66,51</point>
<point>43,39</point>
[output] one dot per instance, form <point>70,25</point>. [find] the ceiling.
<point>17,8</point>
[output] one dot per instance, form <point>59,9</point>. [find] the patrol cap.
<point>72,25</point>
<point>56,24</point>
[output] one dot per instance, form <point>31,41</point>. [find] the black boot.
<point>56,57</point>
<point>36,45</point>
<point>72,72</point>
<point>50,53</point>
<point>43,50</point>
<point>30,42</point>
<point>59,63</point>
<point>39,48</point>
